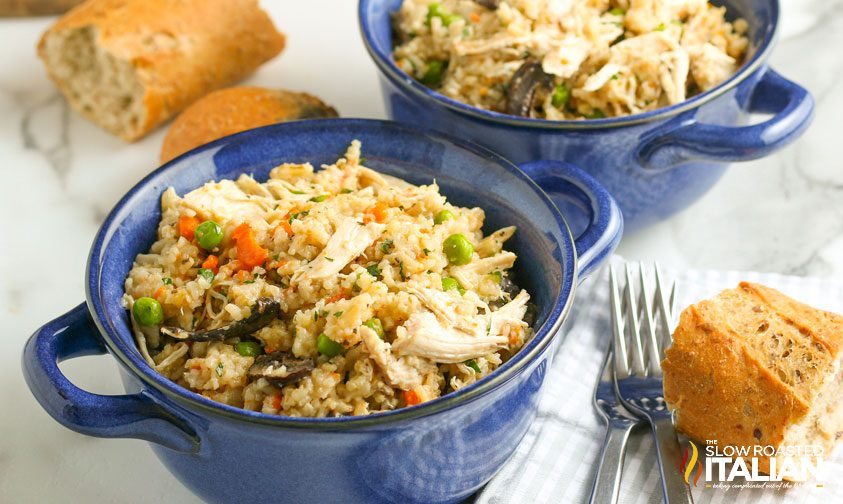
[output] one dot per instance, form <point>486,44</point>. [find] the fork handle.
<point>607,480</point>
<point>668,452</point>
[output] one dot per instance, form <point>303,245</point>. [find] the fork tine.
<point>651,341</point>
<point>632,326</point>
<point>666,310</point>
<point>619,352</point>
<point>674,305</point>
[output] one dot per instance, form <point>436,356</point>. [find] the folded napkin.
<point>555,462</point>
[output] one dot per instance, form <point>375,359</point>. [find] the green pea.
<point>375,325</point>
<point>436,10</point>
<point>320,198</point>
<point>148,312</point>
<point>561,95</point>
<point>442,215</point>
<point>208,234</point>
<point>496,276</point>
<point>248,348</point>
<point>206,274</point>
<point>449,283</point>
<point>434,74</point>
<point>328,347</point>
<point>457,249</point>
<point>472,364</point>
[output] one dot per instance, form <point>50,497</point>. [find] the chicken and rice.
<point>323,293</point>
<point>568,59</point>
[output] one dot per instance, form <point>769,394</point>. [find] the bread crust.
<point>179,50</point>
<point>236,109</point>
<point>721,387</point>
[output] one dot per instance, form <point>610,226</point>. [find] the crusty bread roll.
<point>753,367</point>
<point>129,65</point>
<point>236,109</point>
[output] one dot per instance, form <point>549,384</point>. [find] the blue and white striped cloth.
<point>555,462</point>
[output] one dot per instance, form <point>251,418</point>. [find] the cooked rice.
<point>436,340</point>
<point>605,57</point>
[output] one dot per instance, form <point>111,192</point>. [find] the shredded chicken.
<point>493,243</point>
<point>397,372</point>
<point>224,201</point>
<point>348,241</point>
<point>509,315</point>
<point>468,274</point>
<point>424,336</point>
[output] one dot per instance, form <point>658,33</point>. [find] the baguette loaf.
<point>236,109</point>
<point>129,65</point>
<point>753,367</point>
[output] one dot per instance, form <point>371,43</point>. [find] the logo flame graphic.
<point>687,466</point>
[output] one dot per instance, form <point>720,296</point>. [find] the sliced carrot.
<point>411,398</point>
<point>242,276</point>
<point>375,213</point>
<point>276,401</point>
<point>187,226</point>
<point>159,292</point>
<point>285,225</point>
<point>249,251</point>
<point>475,17</point>
<point>212,263</point>
<point>336,297</point>
<point>270,349</point>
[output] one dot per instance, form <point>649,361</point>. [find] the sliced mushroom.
<point>489,4</point>
<point>264,311</point>
<point>522,88</point>
<point>280,368</point>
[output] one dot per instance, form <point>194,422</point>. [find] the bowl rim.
<point>401,79</point>
<point>541,340</point>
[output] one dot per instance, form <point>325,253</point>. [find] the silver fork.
<point>607,479</point>
<point>645,326</point>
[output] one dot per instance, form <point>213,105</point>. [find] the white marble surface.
<point>61,175</point>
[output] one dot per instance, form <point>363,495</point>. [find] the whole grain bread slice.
<point>753,367</point>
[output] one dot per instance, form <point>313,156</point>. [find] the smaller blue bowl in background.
<point>655,163</point>
<point>437,452</point>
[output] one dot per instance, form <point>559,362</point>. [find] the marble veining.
<point>62,174</point>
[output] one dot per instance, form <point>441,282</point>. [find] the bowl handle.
<point>791,105</point>
<point>127,416</point>
<point>565,182</point>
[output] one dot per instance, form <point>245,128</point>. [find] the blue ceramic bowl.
<point>655,163</point>
<point>440,451</point>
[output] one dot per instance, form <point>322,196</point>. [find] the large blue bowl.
<point>655,163</point>
<point>440,451</point>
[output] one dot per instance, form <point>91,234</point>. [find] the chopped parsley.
<point>338,314</point>
<point>386,246</point>
<point>374,270</point>
<point>206,274</point>
<point>346,190</point>
<point>472,364</point>
<point>319,199</point>
<point>401,270</point>
<point>297,192</point>
<point>298,215</point>
<point>167,281</point>
<point>219,369</point>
